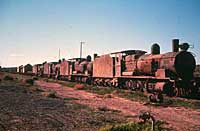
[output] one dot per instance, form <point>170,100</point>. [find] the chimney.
<point>175,45</point>
<point>95,56</point>
<point>155,49</point>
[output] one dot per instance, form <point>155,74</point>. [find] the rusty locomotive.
<point>170,73</point>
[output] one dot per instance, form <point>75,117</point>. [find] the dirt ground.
<point>25,108</point>
<point>177,118</point>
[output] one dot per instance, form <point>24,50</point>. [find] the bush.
<point>104,108</point>
<point>52,95</point>
<point>79,86</point>
<point>135,127</point>
<point>38,90</point>
<point>29,81</point>
<point>8,78</point>
<point>35,78</point>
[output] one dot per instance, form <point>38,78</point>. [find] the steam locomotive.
<point>170,73</point>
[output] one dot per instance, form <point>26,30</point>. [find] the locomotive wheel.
<point>122,86</point>
<point>131,85</point>
<point>134,85</point>
<point>127,83</point>
<point>169,89</point>
<point>142,86</point>
<point>176,92</point>
<point>109,84</point>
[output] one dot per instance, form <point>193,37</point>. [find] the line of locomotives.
<point>170,73</point>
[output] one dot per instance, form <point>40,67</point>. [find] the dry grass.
<point>8,78</point>
<point>133,126</point>
<point>79,87</point>
<point>52,95</point>
<point>29,81</point>
<point>24,111</point>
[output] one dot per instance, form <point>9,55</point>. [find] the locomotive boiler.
<point>176,64</point>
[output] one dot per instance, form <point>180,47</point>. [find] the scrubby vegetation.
<point>105,109</point>
<point>29,81</point>
<point>52,95</point>
<point>79,86</point>
<point>131,95</point>
<point>22,111</point>
<point>133,126</point>
<point>183,102</point>
<point>38,90</point>
<point>35,78</point>
<point>8,78</point>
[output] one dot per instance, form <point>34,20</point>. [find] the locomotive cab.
<point>125,62</point>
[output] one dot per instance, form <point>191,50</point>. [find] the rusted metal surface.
<point>132,68</point>
<point>118,65</point>
<point>161,73</point>
<point>35,69</point>
<point>172,61</point>
<point>20,69</point>
<point>155,49</point>
<point>46,69</point>
<point>130,63</point>
<point>65,68</point>
<point>82,66</point>
<point>56,69</point>
<point>148,64</point>
<point>103,66</point>
<point>49,68</point>
<point>90,67</point>
<point>182,63</point>
<point>175,45</point>
<point>27,68</point>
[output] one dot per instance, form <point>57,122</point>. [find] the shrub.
<point>35,78</point>
<point>107,96</point>
<point>79,86</point>
<point>8,78</point>
<point>29,81</point>
<point>52,95</point>
<point>104,108</point>
<point>133,126</point>
<point>38,90</point>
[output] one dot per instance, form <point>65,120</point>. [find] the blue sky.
<point>32,31</point>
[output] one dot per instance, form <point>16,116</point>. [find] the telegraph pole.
<point>81,46</point>
<point>59,54</point>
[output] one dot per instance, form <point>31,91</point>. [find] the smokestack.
<point>155,49</point>
<point>95,56</point>
<point>175,45</point>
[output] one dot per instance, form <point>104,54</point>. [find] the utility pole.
<point>59,54</point>
<point>81,48</point>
